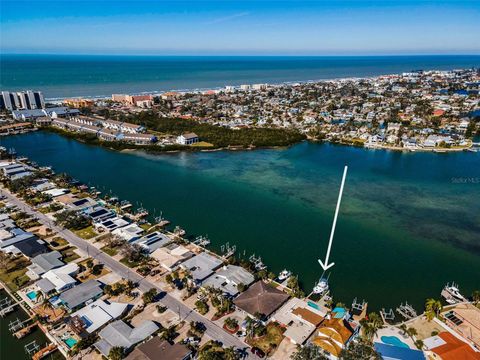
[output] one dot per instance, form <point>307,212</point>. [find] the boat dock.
<point>47,350</point>
<point>359,309</point>
<point>7,306</point>
<point>407,311</point>
<point>387,316</point>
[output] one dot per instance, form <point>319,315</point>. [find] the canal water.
<point>13,348</point>
<point>409,222</point>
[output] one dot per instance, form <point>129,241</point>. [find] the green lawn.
<point>13,275</point>
<point>110,251</point>
<point>86,233</point>
<point>270,341</point>
<point>68,254</point>
<point>130,264</point>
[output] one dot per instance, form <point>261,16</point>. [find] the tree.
<point>116,353</point>
<point>231,323</point>
<point>433,308</point>
<point>309,352</point>
<point>133,253</point>
<point>412,332</point>
<point>476,297</point>
<point>371,325</point>
<point>360,349</point>
<point>201,306</point>
<point>96,269</point>
<point>71,220</point>
<point>149,296</point>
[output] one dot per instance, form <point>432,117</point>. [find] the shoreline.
<point>158,92</point>
<point>155,149</point>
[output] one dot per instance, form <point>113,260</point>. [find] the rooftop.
<point>261,298</point>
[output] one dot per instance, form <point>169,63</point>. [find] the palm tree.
<point>412,332</point>
<point>404,329</point>
<point>371,325</point>
<point>476,297</point>
<point>433,308</point>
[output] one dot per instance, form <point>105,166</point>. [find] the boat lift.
<point>387,315</point>
<point>6,306</point>
<point>228,251</point>
<point>16,325</point>
<point>407,311</point>
<point>201,241</point>
<point>259,265</point>
<point>31,348</point>
<point>358,306</point>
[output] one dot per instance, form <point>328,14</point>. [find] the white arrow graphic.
<point>324,264</point>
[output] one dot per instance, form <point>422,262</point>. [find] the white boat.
<point>284,275</point>
<point>454,291</point>
<point>321,287</point>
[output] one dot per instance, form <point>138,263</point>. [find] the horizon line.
<point>240,55</point>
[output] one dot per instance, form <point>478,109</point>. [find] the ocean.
<point>61,76</point>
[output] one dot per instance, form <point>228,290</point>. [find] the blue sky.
<point>225,27</point>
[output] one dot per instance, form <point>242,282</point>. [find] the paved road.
<point>187,314</point>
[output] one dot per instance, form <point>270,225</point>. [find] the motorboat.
<point>454,291</point>
<point>321,287</point>
<point>284,275</point>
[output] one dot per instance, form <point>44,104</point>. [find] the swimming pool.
<point>70,342</point>
<point>32,295</point>
<point>339,312</point>
<point>395,341</point>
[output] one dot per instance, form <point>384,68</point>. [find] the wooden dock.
<point>47,350</point>
<point>25,331</point>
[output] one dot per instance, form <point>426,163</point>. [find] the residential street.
<point>213,330</point>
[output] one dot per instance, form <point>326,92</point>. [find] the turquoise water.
<point>32,295</point>
<point>408,222</point>
<point>395,341</point>
<point>70,342</point>
<point>66,75</point>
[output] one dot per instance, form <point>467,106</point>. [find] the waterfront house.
<point>120,334</point>
<point>129,233</point>
<point>201,266</point>
<point>14,171</point>
<point>260,298</point>
<point>59,279</point>
<point>153,241</point>
<point>160,349</point>
<point>228,278</point>
<point>334,334</point>
<point>108,135</point>
<point>100,213</point>
<point>187,139</point>
<point>300,318</point>
<point>170,256</point>
<point>77,296</point>
<point>138,139</point>
<point>447,346</point>
<point>110,224</point>
<point>43,263</point>
<point>93,316</point>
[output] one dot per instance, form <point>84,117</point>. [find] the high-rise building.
<point>7,101</point>
<point>22,100</point>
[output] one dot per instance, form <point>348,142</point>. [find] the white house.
<point>187,139</point>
